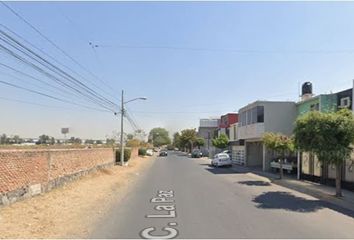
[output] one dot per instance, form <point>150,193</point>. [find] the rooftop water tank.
<point>306,88</point>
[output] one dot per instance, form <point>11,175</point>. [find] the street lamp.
<point>122,111</point>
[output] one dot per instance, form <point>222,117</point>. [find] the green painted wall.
<point>327,103</point>
<point>304,107</point>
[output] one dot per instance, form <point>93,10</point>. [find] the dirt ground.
<point>70,211</point>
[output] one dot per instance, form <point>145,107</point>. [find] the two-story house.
<point>260,117</point>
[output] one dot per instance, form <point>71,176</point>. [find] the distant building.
<point>225,122</point>
<point>207,130</point>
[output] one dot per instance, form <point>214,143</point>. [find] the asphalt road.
<point>189,199</point>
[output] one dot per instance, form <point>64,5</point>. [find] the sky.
<point>191,60</point>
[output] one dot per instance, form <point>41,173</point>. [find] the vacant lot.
<point>71,210</point>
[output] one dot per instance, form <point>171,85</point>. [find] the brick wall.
<point>24,173</point>
<point>134,153</point>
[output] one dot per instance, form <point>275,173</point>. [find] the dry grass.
<point>70,211</point>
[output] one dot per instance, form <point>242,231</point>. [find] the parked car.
<point>228,152</point>
<point>163,153</point>
<point>149,152</point>
<point>196,153</point>
<point>221,159</point>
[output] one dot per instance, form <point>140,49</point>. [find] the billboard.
<point>65,130</point>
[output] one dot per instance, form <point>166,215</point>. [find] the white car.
<point>149,152</point>
<point>221,159</point>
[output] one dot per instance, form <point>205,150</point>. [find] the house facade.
<point>225,122</point>
<point>207,130</point>
<point>311,168</point>
<point>260,117</point>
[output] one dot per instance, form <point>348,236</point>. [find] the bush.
<point>142,151</point>
<point>127,154</point>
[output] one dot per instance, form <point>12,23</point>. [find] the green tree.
<point>16,139</point>
<point>89,141</point>
<point>176,140</point>
<point>130,136</point>
<point>220,142</point>
<point>3,139</point>
<point>74,140</point>
<point>188,138</point>
<point>329,136</point>
<point>43,139</point>
<point>110,141</point>
<point>200,142</point>
<point>159,137</point>
<point>279,143</point>
<point>133,143</point>
<point>52,141</point>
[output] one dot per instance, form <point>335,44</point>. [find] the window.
<point>260,114</point>
<point>315,107</point>
<point>243,119</point>
<point>248,116</point>
<point>254,115</point>
<point>345,102</point>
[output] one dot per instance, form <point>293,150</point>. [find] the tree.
<point>130,136</point>
<point>329,136</point>
<point>176,142</point>
<point>188,138</point>
<point>159,137</point>
<point>16,139</point>
<point>75,140</point>
<point>220,142</point>
<point>110,141</point>
<point>200,142</point>
<point>99,142</point>
<point>279,143</point>
<point>52,141</point>
<point>133,143</point>
<point>43,139</point>
<point>89,141</point>
<point>3,139</point>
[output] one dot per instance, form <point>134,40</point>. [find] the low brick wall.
<point>25,173</point>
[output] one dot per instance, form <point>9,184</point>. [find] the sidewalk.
<point>322,192</point>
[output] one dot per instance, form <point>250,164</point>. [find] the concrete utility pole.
<point>122,130</point>
<point>122,112</point>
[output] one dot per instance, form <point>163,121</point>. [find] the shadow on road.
<point>221,170</point>
<point>290,202</point>
<point>255,183</point>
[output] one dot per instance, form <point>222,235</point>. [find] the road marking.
<point>165,209</point>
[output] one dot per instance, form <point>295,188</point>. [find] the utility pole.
<point>122,112</point>
<point>122,131</point>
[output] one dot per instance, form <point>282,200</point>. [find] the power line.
<point>43,105</point>
<point>51,42</point>
<point>36,79</point>
<point>54,59</point>
<point>228,50</point>
<point>51,66</point>
<point>44,72</point>
<point>56,70</point>
<point>48,96</point>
